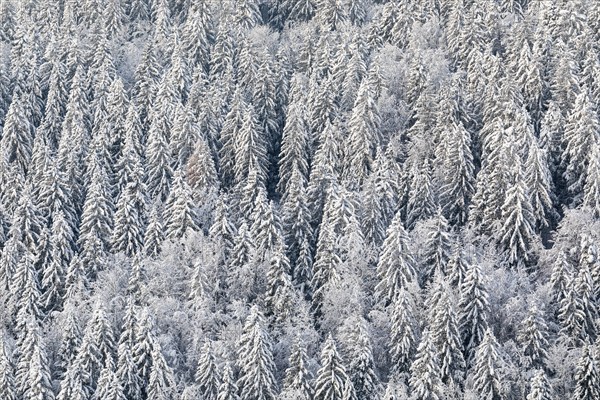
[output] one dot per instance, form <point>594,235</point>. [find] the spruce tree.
<point>207,375</point>
<point>591,189</point>
<point>180,212</point>
<point>8,389</point>
<point>437,248</point>
<point>425,381</point>
<point>587,374</point>
<point>228,389</point>
<point>297,376</point>
<point>255,360</point>
<point>473,310</point>
<point>362,367</point>
<point>332,381</point>
<point>403,331</point>
<point>486,367</point>
<point>161,382</point>
<point>541,389</point>
<point>396,266</point>
<point>534,338</point>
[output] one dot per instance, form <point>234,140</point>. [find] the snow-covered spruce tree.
<point>591,189</point>
<point>486,368</point>
<point>129,221</point>
<point>255,360</point>
<point>332,381</point>
<point>534,338</point>
<point>473,311</point>
<point>126,368</point>
<point>298,378</point>
<point>161,382</point>
<point>251,149</point>
<point>587,374</point>
<point>437,248</point>
<point>541,389</point>
<point>180,211</point>
<point>8,388</point>
<point>361,368</point>
<point>279,297</point>
<point>421,201</point>
<point>201,171</point>
<point>145,342</point>
<point>582,130</point>
<point>445,334</point>
<point>396,265</point>
<point>403,335</point>
<point>228,389</point>
<point>16,144</point>
<point>425,378</point>
<point>207,375</point>
<point>154,235</point>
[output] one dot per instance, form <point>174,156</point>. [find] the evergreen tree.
<point>161,382</point>
<point>534,338</point>
<point>332,382</point>
<point>581,132</point>
<point>425,381</point>
<point>540,387</point>
<point>297,376</point>
<point>180,212</point>
<point>255,359</point>
<point>362,367</point>
<point>420,203</point>
<point>207,374</point>
<point>8,389</point>
<point>487,381</point>
<point>474,309</point>
<point>16,144</point>
<point>587,374</point>
<point>228,389</point>
<point>437,248</point>
<point>539,183</point>
<point>403,333</point>
<point>591,189</point>
<point>250,149</point>
<point>396,266</point>
<point>127,235</point>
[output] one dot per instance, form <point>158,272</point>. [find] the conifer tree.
<point>250,149</point>
<point>143,349</point>
<point>403,333</point>
<point>154,235</point>
<point>396,266</point>
<point>445,334</point>
<point>581,132</point>
<point>421,203</point>
<point>207,375</point>
<point>473,310</point>
<point>228,389</point>
<point>200,170</point>
<point>180,212</point>
<point>487,381</point>
<point>280,292</point>
<point>425,381</point>
<point>128,232</point>
<point>332,381</point>
<point>16,144</point>
<point>297,376</point>
<point>8,389</point>
<point>591,189</point>
<point>534,338</point>
<point>38,384</point>
<point>158,158</point>
<point>362,367</point>
<point>539,183</point>
<point>255,359</point>
<point>161,382</point>
<point>437,248</point>
<point>587,374</point>
<point>540,387</point>
<point>516,233</point>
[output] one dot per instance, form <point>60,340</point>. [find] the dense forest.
<point>299,199</point>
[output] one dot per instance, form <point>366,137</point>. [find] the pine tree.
<point>396,266</point>
<point>255,360</point>
<point>487,381</point>
<point>425,381</point>
<point>473,310</point>
<point>207,375</point>
<point>587,374</point>
<point>332,382</point>
<point>297,376</point>
<point>403,333</point>
<point>540,387</point>
<point>534,338</point>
